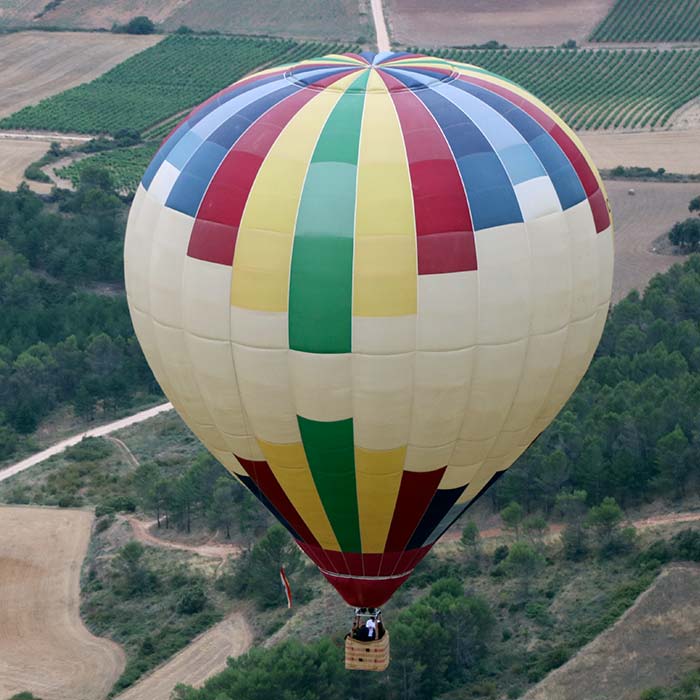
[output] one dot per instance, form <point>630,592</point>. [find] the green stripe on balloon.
<point>330,452</point>
<point>320,285</point>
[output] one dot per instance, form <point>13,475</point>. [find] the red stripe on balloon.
<point>265,480</point>
<point>590,184</point>
<point>364,593</point>
<point>444,230</point>
<point>415,493</point>
<point>215,229</point>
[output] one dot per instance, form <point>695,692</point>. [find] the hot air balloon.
<point>367,283</point>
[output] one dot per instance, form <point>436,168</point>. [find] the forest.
<point>65,333</point>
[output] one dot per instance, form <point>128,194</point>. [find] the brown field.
<point>512,22</point>
<point>639,221</point>
<point>15,156</point>
<point>34,65</point>
<point>44,646</point>
<point>677,150</point>
<point>201,659</point>
<point>315,19</point>
<point>654,643</point>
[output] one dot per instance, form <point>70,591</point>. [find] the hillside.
<point>655,643</point>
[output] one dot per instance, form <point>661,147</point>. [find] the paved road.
<point>93,432</point>
<point>383,43</point>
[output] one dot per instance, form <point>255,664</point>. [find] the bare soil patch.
<point>15,156</point>
<point>44,646</point>
<point>34,65</point>
<point>203,658</point>
<point>512,22</point>
<point>677,150</point>
<point>654,643</point>
<point>639,220</point>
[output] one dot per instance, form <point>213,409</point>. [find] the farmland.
<point>652,20</point>
<point>44,645</point>
<point>597,89</point>
<point>513,22</point>
<point>34,65</point>
<point>167,78</point>
<point>319,19</point>
<point>125,165</point>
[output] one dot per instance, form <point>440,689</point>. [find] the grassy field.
<point>597,89</point>
<point>125,165</point>
<point>170,77</point>
<point>651,20</point>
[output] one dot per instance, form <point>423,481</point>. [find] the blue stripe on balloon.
<point>562,174</point>
<point>193,181</point>
<point>492,199</point>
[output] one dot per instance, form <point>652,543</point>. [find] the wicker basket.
<point>367,656</point>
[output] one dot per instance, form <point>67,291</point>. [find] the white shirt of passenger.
<point>371,626</point>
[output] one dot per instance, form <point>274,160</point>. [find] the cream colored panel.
<point>577,354</point>
<point>584,260</point>
<point>454,477</point>
<point>537,197</point>
<point>503,253</point>
<point>321,385</point>
<point>212,361</point>
<point>468,452</point>
<point>245,447</point>
<point>544,353</point>
<point>266,392</point>
<point>550,266</point>
<point>163,182</point>
<point>143,220</point>
<point>143,327</point>
<point>170,241</point>
<point>230,462</point>
<point>388,335</point>
<point>427,459</point>
<point>382,398</point>
<point>205,298</point>
<point>606,259</point>
<point>448,311</point>
<point>209,435</point>
<point>479,480</point>
<point>260,329</point>
<point>497,372</point>
<point>506,442</point>
<point>441,391</point>
<point>176,363</point>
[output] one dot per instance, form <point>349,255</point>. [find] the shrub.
<point>686,545</point>
<point>192,601</point>
<point>88,450</point>
<point>500,553</point>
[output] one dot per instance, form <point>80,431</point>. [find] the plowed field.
<point>44,646</point>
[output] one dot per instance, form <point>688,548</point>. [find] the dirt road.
<point>203,658</point>
<point>93,432</point>
<point>654,643</point>
<point>383,43</point>
<point>44,646</point>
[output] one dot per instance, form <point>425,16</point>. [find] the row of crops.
<point>125,165</point>
<point>650,20</point>
<point>597,88</point>
<point>175,74</point>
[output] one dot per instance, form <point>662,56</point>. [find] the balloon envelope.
<point>367,283</point>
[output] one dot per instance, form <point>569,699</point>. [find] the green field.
<point>170,77</point>
<point>125,165</point>
<point>597,88</point>
<point>650,20</point>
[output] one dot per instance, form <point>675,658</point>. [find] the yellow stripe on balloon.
<point>384,276</point>
<point>260,278</point>
<point>291,469</point>
<point>378,478</point>
<point>466,69</point>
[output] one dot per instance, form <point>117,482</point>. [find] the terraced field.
<point>177,73</point>
<point>650,20</point>
<point>597,88</point>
